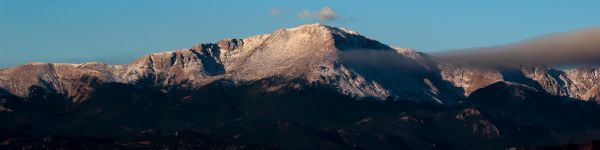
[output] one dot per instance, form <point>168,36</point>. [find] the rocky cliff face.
<point>317,54</point>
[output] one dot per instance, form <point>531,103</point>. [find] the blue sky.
<point>118,31</point>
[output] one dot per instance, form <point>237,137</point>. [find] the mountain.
<point>315,53</point>
<point>308,87</point>
<point>356,65</point>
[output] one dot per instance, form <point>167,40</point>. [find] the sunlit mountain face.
<point>308,87</point>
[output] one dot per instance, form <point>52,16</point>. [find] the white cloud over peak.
<point>324,15</point>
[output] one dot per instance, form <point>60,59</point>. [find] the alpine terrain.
<point>309,87</point>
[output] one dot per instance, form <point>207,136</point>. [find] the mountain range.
<point>307,87</point>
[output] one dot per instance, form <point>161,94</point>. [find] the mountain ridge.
<point>309,87</point>
<point>319,54</point>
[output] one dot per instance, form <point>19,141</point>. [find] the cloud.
<point>324,15</point>
<point>571,48</point>
<point>305,14</point>
<point>327,14</point>
<point>276,12</point>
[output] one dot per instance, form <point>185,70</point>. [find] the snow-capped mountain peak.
<point>313,54</point>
